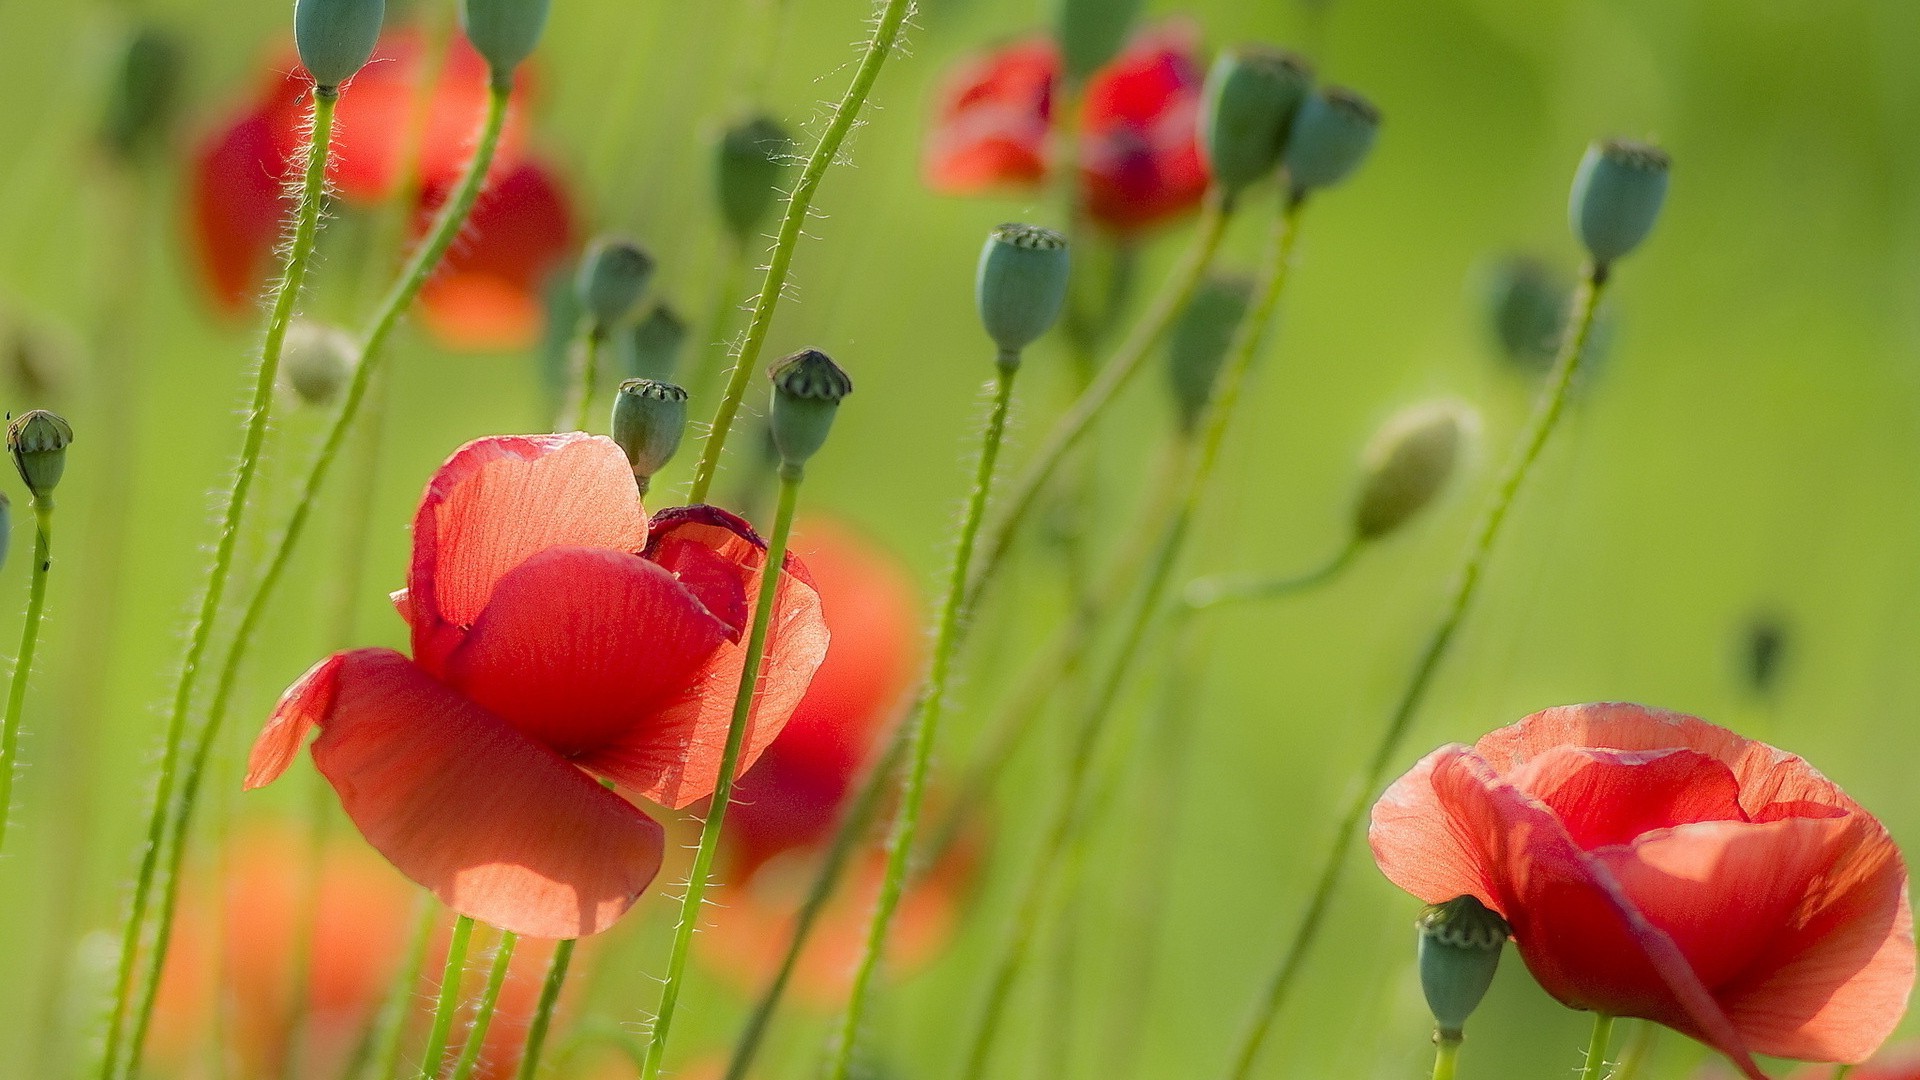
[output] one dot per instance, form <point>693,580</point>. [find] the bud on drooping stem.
<point>145,92</point>
<point>504,32</point>
<point>807,388</point>
<point>1408,464</point>
<point>1091,32</point>
<point>614,275</point>
<point>648,419</point>
<point>38,441</point>
<point>1616,198</point>
<point>1526,309</point>
<point>1460,945</point>
<point>653,345</point>
<point>1247,110</point>
<point>335,38</point>
<point>316,361</point>
<point>1331,137</point>
<point>749,167</point>
<point>1198,343</point>
<point>1021,286</point>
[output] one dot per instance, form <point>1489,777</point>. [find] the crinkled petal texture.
<point>992,121</point>
<point>1140,161</point>
<point>1656,865</point>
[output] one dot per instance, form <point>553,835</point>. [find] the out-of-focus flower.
<point>559,638</point>
<point>1137,151</point>
<point>1655,865</point>
<point>1902,1064</point>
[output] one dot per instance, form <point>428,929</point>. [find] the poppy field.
<point>959,539</point>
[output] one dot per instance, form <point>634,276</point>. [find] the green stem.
<point>389,1030</point>
<point>543,1013</point>
<point>1546,416</point>
<point>886,31</point>
<point>770,574</point>
<point>1596,1066</point>
<point>726,302</point>
<point>399,298</point>
<point>585,380</point>
<point>926,723</point>
<point>449,1000</point>
<point>1061,827</point>
<point>23,664</point>
<point>1210,592</point>
<point>286,296</point>
<point>489,1001</point>
<point>1640,1048</point>
<point>1446,1059</point>
<point>1841,1073</point>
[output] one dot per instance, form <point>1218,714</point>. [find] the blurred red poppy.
<point>558,636</point>
<point>1655,865</point>
<point>1138,155</point>
<point>486,293</point>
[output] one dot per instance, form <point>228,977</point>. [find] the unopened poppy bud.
<point>749,169</point>
<point>1091,33</point>
<point>1251,97</point>
<point>1460,945</point>
<point>654,344</point>
<point>648,419</point>
<point>38,441</point>
<point>503,31</point>
<point>1198,343</point>
<point>807,388</point>
<point>145,91</point>
<point>316,361</point>
<point>613,277</point>
<point>1617,196</point>
<point>1527,305</point>
<point>1331,137</point>
<point>1021,286</point>
<point>1408,463</point>
<point>335,38</point>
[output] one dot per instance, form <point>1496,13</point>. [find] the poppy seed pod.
<point>807,388</point>
<point>38,441</point>
<point>1021,286</point>
<point>1408,463</point>
<point>648,419</point>
<point>145,92</point>
<point>1091,32</point>
<point>1526,305</point>
<point>613,277</point>
<point>503,31</point>
<point>317,361</point>
<point>1198,343</point>
<point>335,38</point>
<point>1460,946</point>
<point>1331,136</point>
<point>1249,103</point>
<point>1616,196</point>
<point>653,345</point>
<point>749,167</point>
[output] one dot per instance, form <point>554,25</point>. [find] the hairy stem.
<point>448,1002</point>
<point>543,1012</point>
<point>489,1001</point>
<point>23,663</point>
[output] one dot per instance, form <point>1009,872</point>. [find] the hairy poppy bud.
<point>648,419</point>
<point>145,92</point>
<point>1408,463</point>
<point>1460,945</point>
<point>1527,303</point>
<point>1091,32</point>
<point>807,388</point>
<point>1331,137</point>
<point>613,277</point>
<point>653,345</point>
<point>317,361</point>
<point>1247,108</point>
<point>335,38</point>
<point>748,171</point>
<point>1021,285</point>
<point>1198,343</point>
<point>1617,196</point>
<point>38,441</point>
<point>503,31</point>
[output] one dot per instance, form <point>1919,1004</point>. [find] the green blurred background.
<point>1748,450</point>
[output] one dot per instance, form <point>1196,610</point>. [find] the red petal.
<point>1611,796</point>
<point>305,704</point>
<point>497,826</point>
<point>498,501</point>
<point>238,205</point>
<point>993,120</point>
<point>1140,160</point>
<point>1419,845</point>
<point>487,293</point>
<point>581,644</point>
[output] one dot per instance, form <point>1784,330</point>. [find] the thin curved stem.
<point>771,572</point>
<point>1446,1059</point>
<point>448,1002</point>
<point>286,295</point>
<point>926,723</point>
<point>23,663</point>
<point>1596,1065</point>
<point>586,379</point>
<point>1205,593</point>
<point>543,1012</point>
<point>886,31</point>
<point>726,303</point>
<point>390,1028</point>
<point>1546,416</point>
<point>489,1001</point>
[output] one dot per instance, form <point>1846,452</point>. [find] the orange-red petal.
<point>993,119</point>
<point>1139,155</point>
<point>1612,796</point>
<point>487,293</point>
<point>238,204</point>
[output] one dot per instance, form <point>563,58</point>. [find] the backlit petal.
<point>993,120</point>
<point>238,206</point>
<point>1611,796</point>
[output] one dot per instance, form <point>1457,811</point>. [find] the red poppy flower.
<point>1654,865</point>
<point>558,636</point>
<point>1139,158</point>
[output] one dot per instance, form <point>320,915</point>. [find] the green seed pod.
<point>807,388</point>
<point>653,345</point>
<point>648,420</point>
<point>1021,285</point>
<point>1249,103</point>
<point>335,38</point>
<point>38,441</point>
<point>1331,136</point>
<point>1526,305</point>
<point>1460,945</point>
<point>503,31</point>
<point>1198,343</point>
<point>1616,198</point>
<point>145,94</point>
<point>749,169</point>
<point>613,277</point>
<point>1091,32</point>
<point>317,361</point>
<point>1408,464</point>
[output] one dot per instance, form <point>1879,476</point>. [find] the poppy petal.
<point>1608,797</point>
<point>239,202</point>
<point>1139,154</point>
<point>993,119</point>
<point>1419,845</point>
<point>487,293</point>
<point>304,704</point>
